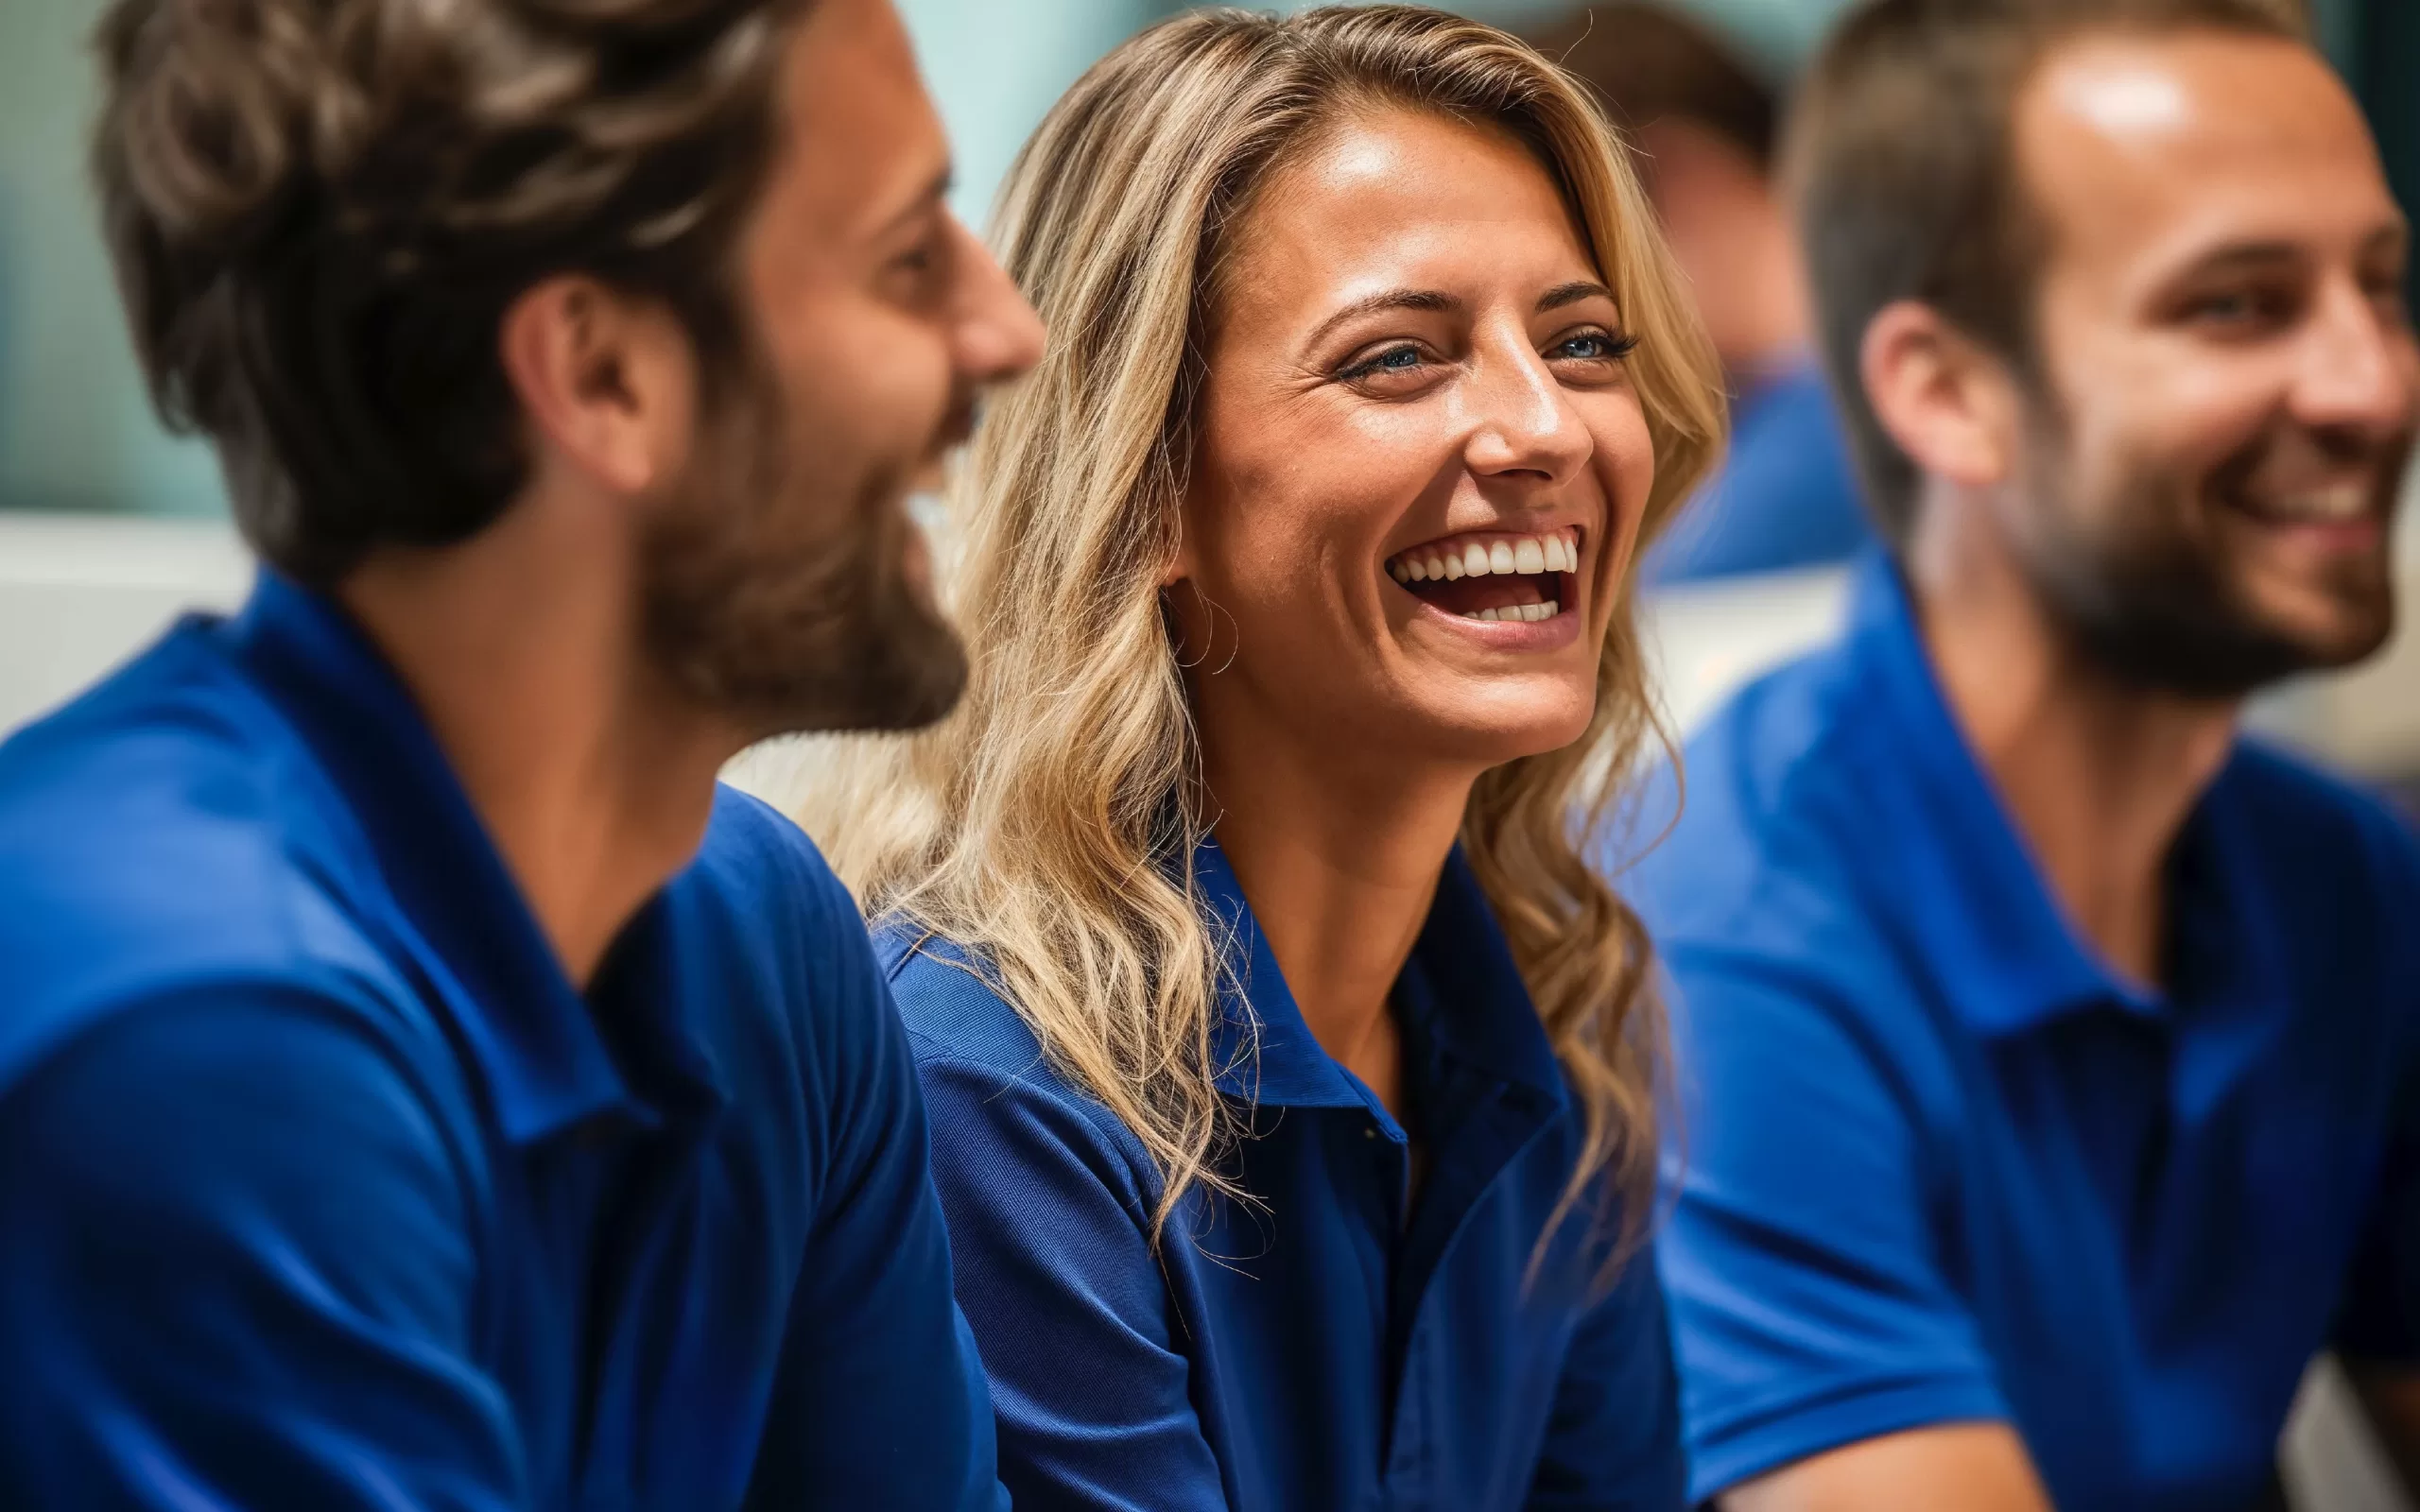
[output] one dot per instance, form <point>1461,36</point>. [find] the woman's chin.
<point>1506,724</point>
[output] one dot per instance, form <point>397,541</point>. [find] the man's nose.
<point>2359,368</point>
<point>998,334</point>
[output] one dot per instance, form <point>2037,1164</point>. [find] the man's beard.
<point>2150,599</point>
<point>781,600</point>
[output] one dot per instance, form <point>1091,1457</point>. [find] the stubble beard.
<point>2152,601</point>
<point>780,599</point>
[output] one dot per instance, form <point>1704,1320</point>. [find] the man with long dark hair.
<point>420,1085</point>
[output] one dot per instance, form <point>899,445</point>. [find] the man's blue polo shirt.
<point>1350,1344</point>
<point>321,1187</point>
<point>1939,1163</point>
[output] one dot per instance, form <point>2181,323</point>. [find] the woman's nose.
<point>1526,422</point>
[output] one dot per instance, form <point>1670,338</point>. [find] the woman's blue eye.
<point>1595,345</point>
<point>1395,359</point>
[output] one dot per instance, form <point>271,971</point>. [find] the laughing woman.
<point>1290,1073</point>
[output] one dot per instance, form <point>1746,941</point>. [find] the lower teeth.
<point>1516,612</point>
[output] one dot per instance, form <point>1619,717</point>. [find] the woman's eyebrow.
<point>1389,300</point>
<point>1572,293</point>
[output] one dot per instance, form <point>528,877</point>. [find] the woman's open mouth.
<point>1493,576</point>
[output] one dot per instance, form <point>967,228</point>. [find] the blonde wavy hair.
<point>1046,825</point>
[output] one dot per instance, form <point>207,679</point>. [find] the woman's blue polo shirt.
<point>1939,1164</point>
<point>1344,1345</point>
<point>322,1187</point>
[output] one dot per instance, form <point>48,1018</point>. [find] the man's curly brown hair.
<point>319,211</point>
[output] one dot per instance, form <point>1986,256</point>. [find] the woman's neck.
<point>1339,868</point>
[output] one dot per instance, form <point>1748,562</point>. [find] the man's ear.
<point>609,383</point>
<point>1949,405</point>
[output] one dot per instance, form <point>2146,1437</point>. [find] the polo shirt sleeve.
<point>235,1272</point>
<point>1810,1305</point>
<point>879,1399</point>
<point>1057,1273</point>
<point>1612,1440</point>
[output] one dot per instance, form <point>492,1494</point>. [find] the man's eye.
<point>2388,294</point>
<point>2237,309</point>
<point>917,274</point>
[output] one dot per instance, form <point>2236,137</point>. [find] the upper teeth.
<point>1556,552</point>
<point>2345,500</point>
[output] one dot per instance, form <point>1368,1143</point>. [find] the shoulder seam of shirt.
<point>1816,761</point>
<point>272,759</point>
<point>1112,1138</point>
<point>1859,1036</point>
<point>321,999</point>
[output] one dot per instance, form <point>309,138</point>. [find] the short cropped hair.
<point>1647,62</point>
<point>321,209</point>
<point>1903,169</point>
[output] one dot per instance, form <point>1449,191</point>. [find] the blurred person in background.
<point>420,1084</point>
<point>2049,1047</point>
<point>1705,128</point>
<point>1291,1078</point>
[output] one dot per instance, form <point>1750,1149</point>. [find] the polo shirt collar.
<point>1463,983</point>
<point>1956,871</point>
<point>532,1034</point>
<point>1460,982</point>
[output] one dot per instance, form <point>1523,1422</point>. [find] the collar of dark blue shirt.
<point>2013,961</point>
<point>534,1036</point>
<point>1459,980</point>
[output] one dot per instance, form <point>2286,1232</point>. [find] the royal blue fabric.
<point>1787,495</point>
<point>1940,1163</point>
<point>1335,1349</point>
<point>321,1187</point>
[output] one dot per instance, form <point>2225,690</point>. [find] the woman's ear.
<point>1182,563</point>
<point>1191,617</point>
<point>1193,621</point>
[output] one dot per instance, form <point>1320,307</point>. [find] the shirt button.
<point>1369,1131</point>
